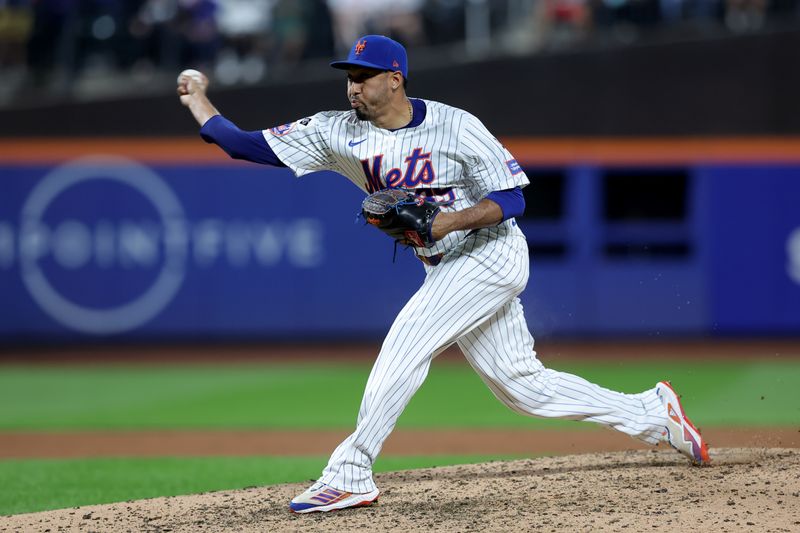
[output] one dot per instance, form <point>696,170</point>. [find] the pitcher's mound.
<point>745,489</point>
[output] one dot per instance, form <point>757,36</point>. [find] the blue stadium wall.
<point>131,247</point>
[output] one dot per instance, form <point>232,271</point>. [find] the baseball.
<point>196,75</point>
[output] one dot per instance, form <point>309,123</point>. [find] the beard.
<point>369,111</point>
<point>360,114</point>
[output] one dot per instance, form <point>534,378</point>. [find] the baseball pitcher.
<point>435,179</point>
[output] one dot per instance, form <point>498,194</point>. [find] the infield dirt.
<point>745,489</point>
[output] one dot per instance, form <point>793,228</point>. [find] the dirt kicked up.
<point>745,489</point>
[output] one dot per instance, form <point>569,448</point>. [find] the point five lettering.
<point>418,171</point>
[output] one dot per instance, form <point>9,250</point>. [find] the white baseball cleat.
<point>321,498</point>
<point>680,432</point>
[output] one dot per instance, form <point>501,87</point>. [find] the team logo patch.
<point>282,130</point>
<point>360,45</point>
<point>513,166</point>
<point>305,121</point>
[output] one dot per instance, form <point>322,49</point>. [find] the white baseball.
<point>196,75</point>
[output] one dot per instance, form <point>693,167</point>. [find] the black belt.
<point>431,260</point>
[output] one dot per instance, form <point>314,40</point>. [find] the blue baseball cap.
<point>376,51</point>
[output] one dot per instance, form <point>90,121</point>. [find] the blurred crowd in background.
<point>88,48</point>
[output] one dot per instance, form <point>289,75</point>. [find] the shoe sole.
<point>705,459</point>
<point>355,500</point>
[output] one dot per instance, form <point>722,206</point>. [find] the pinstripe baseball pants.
<point>470,298</point>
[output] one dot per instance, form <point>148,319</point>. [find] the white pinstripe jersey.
<point>450,156</point>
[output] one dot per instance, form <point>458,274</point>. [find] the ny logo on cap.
<point>360,46</point>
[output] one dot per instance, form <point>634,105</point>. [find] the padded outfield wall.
<point>167,239</point>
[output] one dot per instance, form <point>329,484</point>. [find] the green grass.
<point>36,485</point>
<point>301,396</point>
<point>729,393</point>
<point>289,396</point>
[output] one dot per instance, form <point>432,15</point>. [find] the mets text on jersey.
<point>395,177</point>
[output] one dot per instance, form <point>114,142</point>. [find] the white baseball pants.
<point>470,298</point>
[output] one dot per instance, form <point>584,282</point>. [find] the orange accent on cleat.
<point>681,433</point>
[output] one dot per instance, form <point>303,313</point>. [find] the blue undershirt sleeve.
<point>511,201</point>
<point>239,144</point>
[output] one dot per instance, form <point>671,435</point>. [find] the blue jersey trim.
<point>239,144</point>
<point>511,201</point>
<point>420,110</point>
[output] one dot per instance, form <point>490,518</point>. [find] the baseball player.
<point>476,263</point>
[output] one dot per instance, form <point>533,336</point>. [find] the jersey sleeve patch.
<point>514,167</point>
<point>282,129</point>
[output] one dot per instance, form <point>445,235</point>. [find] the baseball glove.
<point>403,216</point>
